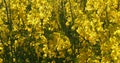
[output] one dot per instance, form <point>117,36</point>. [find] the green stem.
<point>9,23</point>
<point>73,44</point>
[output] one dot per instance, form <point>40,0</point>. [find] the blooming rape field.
<point>59,31</point>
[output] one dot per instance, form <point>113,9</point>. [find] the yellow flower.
<point>1,50</point>
<point>1,1</point>
<point>45,55</point>
<point>1,22</point>
<point>69,51</point>
<point>117,32</point>
<point>14,59</point>
<point>1,60</point>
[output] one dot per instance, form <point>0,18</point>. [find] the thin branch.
<point>6,10</point>
<point>71,11</point>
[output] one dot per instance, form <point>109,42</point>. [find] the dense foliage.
<point>59,31</point>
